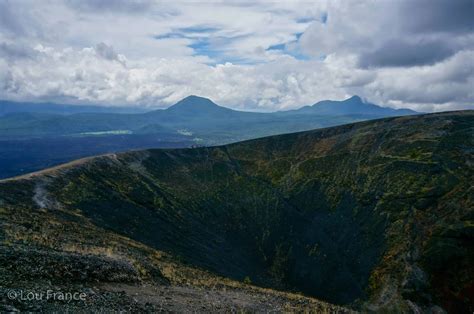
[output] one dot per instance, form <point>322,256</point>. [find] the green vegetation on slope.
<point>376,214</point>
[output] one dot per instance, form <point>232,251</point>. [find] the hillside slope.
<point>377,215</point>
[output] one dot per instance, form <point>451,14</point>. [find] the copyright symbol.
<point>12,294</point>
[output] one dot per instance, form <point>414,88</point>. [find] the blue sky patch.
<point>198,29</point>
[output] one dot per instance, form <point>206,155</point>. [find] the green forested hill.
<point>376,215</point>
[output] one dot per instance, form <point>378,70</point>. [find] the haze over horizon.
<point>263,56</point>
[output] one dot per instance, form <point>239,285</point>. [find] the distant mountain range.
<point>198,116</point>
<point>199,105</point>
<point>35,136</point>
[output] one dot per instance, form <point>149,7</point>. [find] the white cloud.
<point>155,53</point>
<point>447,85</point>
<point>86,75</point>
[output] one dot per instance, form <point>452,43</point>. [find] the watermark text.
<point>47,295</point>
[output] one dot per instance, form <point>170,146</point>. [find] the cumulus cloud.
<point>254,56</point>
<point>87,75</point>
<point>393,33</point>
<point>444,86</point>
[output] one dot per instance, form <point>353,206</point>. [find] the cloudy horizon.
<point>259,56</point>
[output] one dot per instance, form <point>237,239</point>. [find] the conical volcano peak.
<point>195,98</point>
<point>194,101</point>
<point>195,105</point>
<point>354,98</point>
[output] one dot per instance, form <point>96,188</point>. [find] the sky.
<point>246,55</point>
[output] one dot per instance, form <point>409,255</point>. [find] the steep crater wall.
<point>344,214</point>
